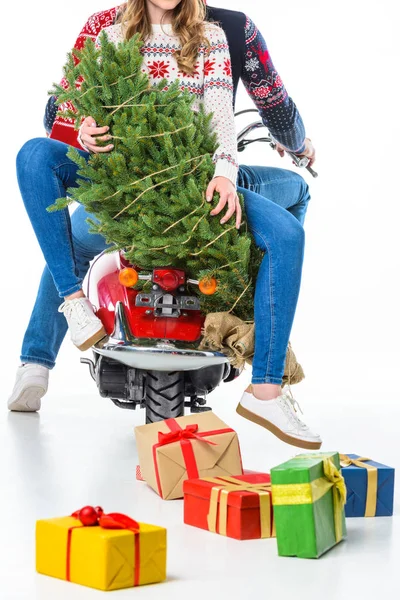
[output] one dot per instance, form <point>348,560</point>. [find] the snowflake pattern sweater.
<point>251,63</point>
<point>211,83</point>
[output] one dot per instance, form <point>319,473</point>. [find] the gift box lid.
<point>303,468</point>
<point>201,488</point>
<point>66,523</point>
<point>373,463</point>
<point>221,435</point>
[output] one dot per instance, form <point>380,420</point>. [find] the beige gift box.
<point>199,445</point>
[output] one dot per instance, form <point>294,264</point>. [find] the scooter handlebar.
<point>299,161</point>
<point>303,162</point>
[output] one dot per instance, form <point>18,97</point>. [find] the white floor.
<point>81,450</point>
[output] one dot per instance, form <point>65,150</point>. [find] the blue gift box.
<point>356,479</point>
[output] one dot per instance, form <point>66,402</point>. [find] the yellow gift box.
<point>105,559</point>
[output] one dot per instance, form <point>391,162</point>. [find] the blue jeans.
<point>275,202</point>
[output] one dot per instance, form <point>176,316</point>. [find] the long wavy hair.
<point>187,23</point>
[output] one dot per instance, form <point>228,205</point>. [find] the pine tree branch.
<point>129,99</point>
<point>228,265</point>
<point>170,245</point>
<point>156,186</point>
<point>130,105</point>
<point>155,135</point>
<point>132,183</point>
<point>213,241</point>
<point>96,87</point>
<point>242,281</point>
<point>240,297</point>
<point>198,222</point>
<point>183,218</point>
<point>186,241</point>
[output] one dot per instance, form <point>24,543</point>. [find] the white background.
<point>339,61</point>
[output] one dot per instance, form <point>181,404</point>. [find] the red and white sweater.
<point>211,84</point>
<point>251,63</point>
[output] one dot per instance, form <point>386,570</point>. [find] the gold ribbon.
<point>307,493</point>
<point>372,481</point>
<point>219,494</point>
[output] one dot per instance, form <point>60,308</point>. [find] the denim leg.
<point>280,235</point>
<point>44,173</point>
<point>47,327</point>
<point>286,188</point>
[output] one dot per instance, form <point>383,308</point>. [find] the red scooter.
<point>151,357</point>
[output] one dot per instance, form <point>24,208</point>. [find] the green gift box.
<point>308,495</point>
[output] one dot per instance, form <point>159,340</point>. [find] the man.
<point>252,64</point>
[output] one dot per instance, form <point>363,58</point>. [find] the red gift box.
<point>238,507</point>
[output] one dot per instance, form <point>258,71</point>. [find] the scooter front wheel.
<point>164,395</point>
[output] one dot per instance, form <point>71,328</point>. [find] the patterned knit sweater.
<point>211,83</point>
<point>251,63</point>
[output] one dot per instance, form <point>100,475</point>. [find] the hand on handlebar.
<point>90,133</point>
<point>309,152</point>
<point>305,159</point>
<point>280,149</point>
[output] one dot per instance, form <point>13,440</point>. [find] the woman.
<point>180,45</point>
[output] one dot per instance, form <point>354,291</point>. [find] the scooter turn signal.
<point>208,286</point>
<point>128,277</point>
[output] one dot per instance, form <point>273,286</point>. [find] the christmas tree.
<point>148,194</point>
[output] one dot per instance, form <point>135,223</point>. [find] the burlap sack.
<point>235,338</point>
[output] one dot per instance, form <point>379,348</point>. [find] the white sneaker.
<point>30,386</point>
<point>85,328</point>
<point>279,416</point>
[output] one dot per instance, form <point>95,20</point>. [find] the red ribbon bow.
<point>184,436</point>
<point>189,433</point>
<point>90,517</point>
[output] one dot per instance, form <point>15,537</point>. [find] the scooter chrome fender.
<point>153,355</point>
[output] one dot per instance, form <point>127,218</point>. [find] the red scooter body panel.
<point>142,325</point>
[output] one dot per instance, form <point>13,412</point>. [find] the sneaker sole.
<point>29,400</point>
<point>93,340</point>
<point>250,416</point>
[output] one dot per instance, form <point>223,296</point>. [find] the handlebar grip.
<point>299,161</point>
<point>312,172</point>
<point>303,161</point>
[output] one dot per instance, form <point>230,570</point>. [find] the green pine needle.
<point>147,196</point>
